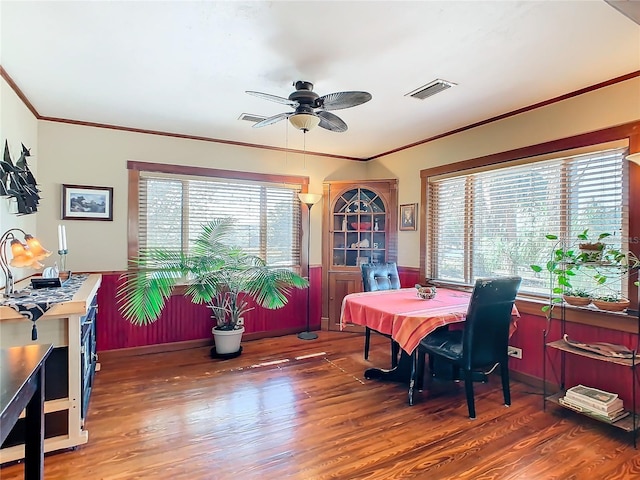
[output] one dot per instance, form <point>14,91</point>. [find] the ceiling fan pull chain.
<point>304,149</point>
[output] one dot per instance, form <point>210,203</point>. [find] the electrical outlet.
<point>514,352</point>
<point>240,322</point>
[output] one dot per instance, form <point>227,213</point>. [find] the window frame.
<point>135,168</point>
<point>629,132</point>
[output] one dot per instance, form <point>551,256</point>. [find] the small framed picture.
<point>408,216</point>
<point>83,202</point>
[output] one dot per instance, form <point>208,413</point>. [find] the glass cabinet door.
<point>359,228</point>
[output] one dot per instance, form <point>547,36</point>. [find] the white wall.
<point>79,155</point>
<point>17,126</point>
<point>606,107</point>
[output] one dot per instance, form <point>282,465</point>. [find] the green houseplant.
<point>214,272</point>
<point>596,260</point>
<point>577,296</point>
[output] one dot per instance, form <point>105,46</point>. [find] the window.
<point>494,222</point>
<point>172,207</point>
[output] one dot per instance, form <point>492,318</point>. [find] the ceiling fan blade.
<point>273,98</point>
<point>331,122</point>
<point>340,100</point>
<point>272,120</point>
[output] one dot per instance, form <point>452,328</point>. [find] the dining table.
<point>407,318</point>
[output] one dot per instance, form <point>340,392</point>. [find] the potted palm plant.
<point>213,272</point>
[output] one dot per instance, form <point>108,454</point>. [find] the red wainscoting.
<point>579,370</point>
<point>183,321</point>
<point>409,276</point>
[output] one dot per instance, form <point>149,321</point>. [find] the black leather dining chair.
<point>375,277</point>
<point>481,344</point>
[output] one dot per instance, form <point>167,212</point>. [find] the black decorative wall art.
<point>17,181</point>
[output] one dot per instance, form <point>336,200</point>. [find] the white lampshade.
<point>309,198</point>
<point>634,157</point>
<point>304,121</point>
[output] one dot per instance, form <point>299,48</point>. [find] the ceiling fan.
<point>310,109</point>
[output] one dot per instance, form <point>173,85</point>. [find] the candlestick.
<point>60,244</point>
<point>63,260</point>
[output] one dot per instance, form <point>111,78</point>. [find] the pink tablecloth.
<point>405,316</point>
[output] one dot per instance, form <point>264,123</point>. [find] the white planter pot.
<point>227,341</point>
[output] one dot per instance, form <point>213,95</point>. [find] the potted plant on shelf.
<point>577,297</point>
<point>598,262</point>
<point>612,303</point>
<point>215,273</point>
<point>591,251</point>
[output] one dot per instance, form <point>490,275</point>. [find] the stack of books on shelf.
<point>599,404</point>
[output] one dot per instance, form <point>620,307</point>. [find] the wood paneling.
<point>409,276</point>
<point>183,321</point>
<point>529,337</point>
<point>183,416</point>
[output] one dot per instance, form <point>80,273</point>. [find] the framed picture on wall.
<point>408,216</point>
<point>84,202</point>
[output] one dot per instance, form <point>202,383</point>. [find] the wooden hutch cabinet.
<point>359,226</point>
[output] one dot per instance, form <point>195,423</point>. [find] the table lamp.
<point>23,255</point>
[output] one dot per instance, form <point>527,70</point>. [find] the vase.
<point>227,341</point>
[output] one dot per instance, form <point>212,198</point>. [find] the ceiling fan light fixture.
<point>304,121</point>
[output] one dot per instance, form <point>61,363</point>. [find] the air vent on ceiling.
<point>250,117</point>
<point>429,89</point>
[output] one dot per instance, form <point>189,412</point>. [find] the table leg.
<point>401,373</point>
<point>34,431</point>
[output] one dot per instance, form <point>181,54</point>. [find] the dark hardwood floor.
<point>272,414</point>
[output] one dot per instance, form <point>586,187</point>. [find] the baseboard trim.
<point>531,381</point>
<point>157,348</point>
<point>186,345</point>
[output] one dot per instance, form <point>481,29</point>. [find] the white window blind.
<point>172,210</point>
<point>494,222</point>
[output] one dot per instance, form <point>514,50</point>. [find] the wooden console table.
<point>69,327</point>
<point>22,388</point>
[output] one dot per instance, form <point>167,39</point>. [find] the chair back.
<point>486,329</point>
<point>380,276</point>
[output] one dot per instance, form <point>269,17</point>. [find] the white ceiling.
<point>183,67</point>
